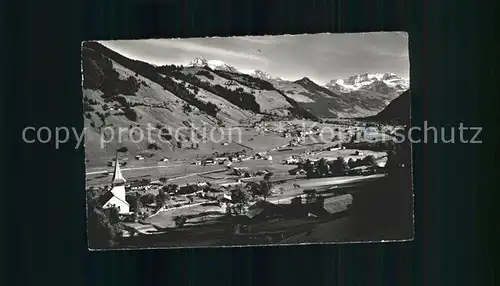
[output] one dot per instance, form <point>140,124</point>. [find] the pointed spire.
<point>117,175</point>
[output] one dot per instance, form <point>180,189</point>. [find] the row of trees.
<point>103,224</point>
<point>324,168</point>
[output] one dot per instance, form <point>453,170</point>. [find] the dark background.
<point>43,198</point>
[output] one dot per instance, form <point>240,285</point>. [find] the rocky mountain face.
<point>383,85</point>
<point>213,64</point>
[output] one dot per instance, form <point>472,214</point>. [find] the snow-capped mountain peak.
<point>198,62</point>
<point>213,64</point>
<point>380,82</point>
<point>265,76</point>
<point>367,78</point>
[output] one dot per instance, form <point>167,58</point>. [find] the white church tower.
<point>117,193</point>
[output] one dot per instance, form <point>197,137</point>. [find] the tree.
<point>282,190</point>
<point>354,137</point>
<point>312,173</point>
<point>180,221</point>
<point>370,161</point>
<point>296,201</point>
<point>392,162</point>
<point>254,189</point>
<point>122,149</point>
<point>103,227</point>
<point>323,168</point>
<point>239,199</point>
<point>320,200</point>
<point>351,163</point>
<point>133,202</point>
<point>161,198</point>
<point>340,165</point>
<point>390,145</point>
<point>268,176</point>
<point>306,165</point>
<point>130,113</point>
<point>265,189</point>
<point>147,199</point>
<point>311,196</point>
<point>171,188</point>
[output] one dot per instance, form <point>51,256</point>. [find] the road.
<point>325,182</point>
<point>129,169</point>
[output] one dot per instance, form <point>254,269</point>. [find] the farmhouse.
<point>337,204</point>
<point>237,183</point>
<point>357,153</point>
<point>292,160</point>
<point>209,161</point>
<point>189,189</point>
<point>116,196</point>
<point>264,210</point>
<point>221,160</point>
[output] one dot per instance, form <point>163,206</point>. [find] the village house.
<point>337,204</point>
<point>189,189</point>
<point>237,183</point>
<point>209,161</point>
<point>221,160</point>
<point>292,160</point>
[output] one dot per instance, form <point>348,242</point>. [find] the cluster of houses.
<point>228,159</point>
<point>286,129</point>
<point>299,133</point>
<point>217,161</point>
<point>246,173</point>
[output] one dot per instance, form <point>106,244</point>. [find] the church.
<point>116,196</point>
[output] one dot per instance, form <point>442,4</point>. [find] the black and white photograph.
<point>247,141</point>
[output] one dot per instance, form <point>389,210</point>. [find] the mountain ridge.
<point>202,82</point>
<point>388,83</point>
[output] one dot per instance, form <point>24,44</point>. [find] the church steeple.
<point>117,175</point>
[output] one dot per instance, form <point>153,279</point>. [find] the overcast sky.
<point>321,57</point>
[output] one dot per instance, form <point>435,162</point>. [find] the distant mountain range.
<point>120,91</point>
<point>213,64</point>
<point>378,82</point>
